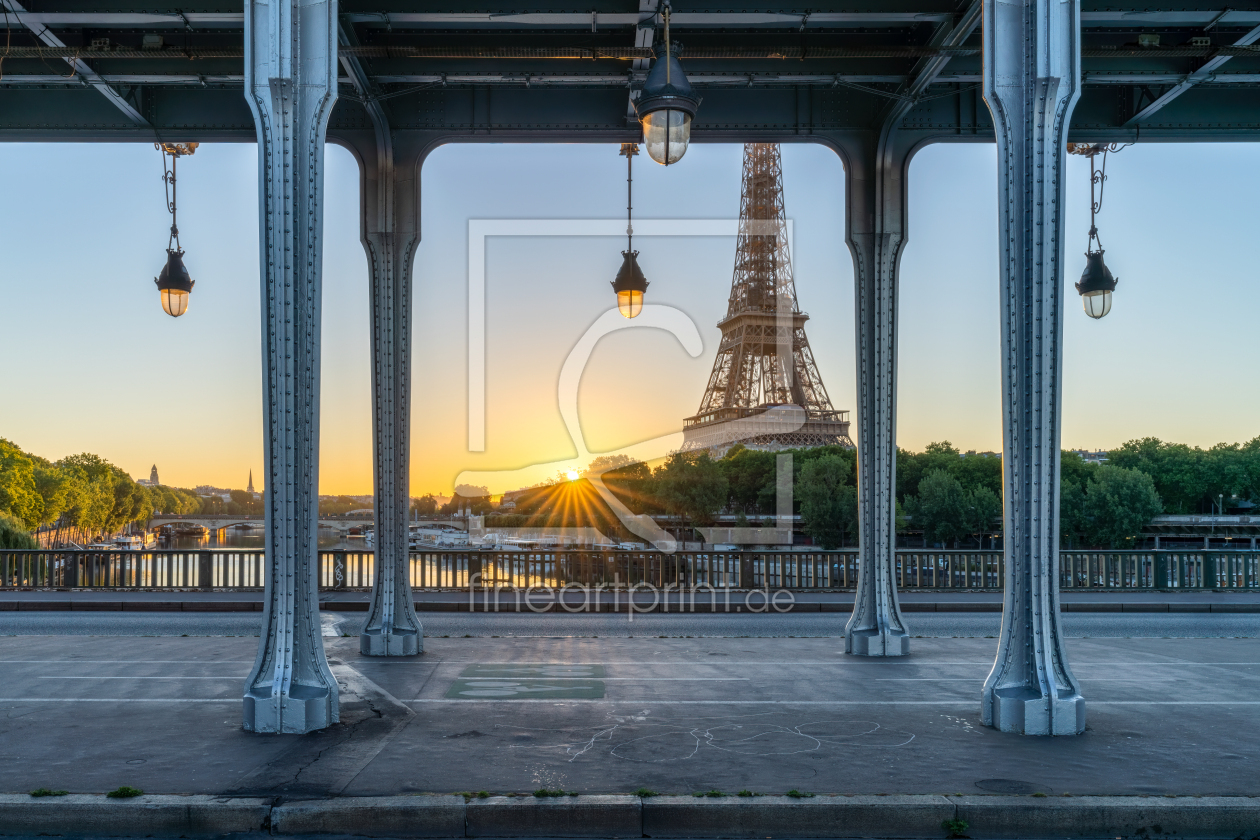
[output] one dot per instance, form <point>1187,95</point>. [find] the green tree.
<point>1180,473</point>
<point>983,509</point>
<point>1118,504</point>
<point>19,494</point>
<point>690,485</point>
<point>939,509</point>
<point>828,502</point>
<point>13,534</point>
<point>426,505</point>
<point>1071,512</point>
<point>748,473</point>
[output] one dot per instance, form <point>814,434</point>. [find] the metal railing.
<point>457,569</point>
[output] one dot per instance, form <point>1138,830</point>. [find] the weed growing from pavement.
<point>125,792</point>
<point>796,794</point>
<point>955,828</point>
<point>47,792</point>
<point>747,793</point>
<point>645,793</point>
<point>710,793</point>
<point>543,793</point>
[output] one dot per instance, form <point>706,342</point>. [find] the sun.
<point>572,475</point>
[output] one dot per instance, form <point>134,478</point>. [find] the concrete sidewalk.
<point>631,816</point>
<point>515,601</point>
<point>613,715</point>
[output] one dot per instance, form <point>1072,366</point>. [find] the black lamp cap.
<point>630,278</point>
<point>174,276</point>
<point>1096,277</point>
<point>658,95</point>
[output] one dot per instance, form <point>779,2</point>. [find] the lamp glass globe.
<point>666,134</point>
<point>1097,304</point>
<point>174,302</point>
<point>630,303</point>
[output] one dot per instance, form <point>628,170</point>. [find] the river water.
<point>328,539</point>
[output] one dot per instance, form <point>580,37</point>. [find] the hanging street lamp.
<point>174,283</point>
<point>630,283</point>
<point>1096,283</point>
<point>667,104</point>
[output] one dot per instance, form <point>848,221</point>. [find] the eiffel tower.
<point>765,391</point>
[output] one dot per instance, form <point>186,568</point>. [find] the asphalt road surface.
<point>924,625</point>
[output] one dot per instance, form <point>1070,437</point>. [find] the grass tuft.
<point>645,793</point>
<point>955,828</point>
<point>47,792</point>
<point>713,794</point>
<point>796,794</point>
<point>543,793</point>
<point>747,793</point>
<point>125,792</point>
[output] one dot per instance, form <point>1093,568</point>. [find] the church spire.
<point>250,488</point>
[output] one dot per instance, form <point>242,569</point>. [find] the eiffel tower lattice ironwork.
<point>765,391</point>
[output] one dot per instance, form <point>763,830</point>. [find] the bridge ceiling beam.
<point>583,20</point>
<point>81,69</point>
<point>1202,74</point>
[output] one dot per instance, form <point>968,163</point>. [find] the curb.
<point>434,815</point>
<point>98,815</point>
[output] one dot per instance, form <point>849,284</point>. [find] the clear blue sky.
<point>93,364</point>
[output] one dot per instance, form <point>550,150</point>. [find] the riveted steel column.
<point>390,232</point>
<point>290,84</point>
<point>1031,73</point>
<point>875,230</point>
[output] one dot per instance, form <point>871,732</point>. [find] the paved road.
<point>926,625</point>
<point>608,715</point>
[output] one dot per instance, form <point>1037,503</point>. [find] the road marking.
<point>120,699</point>
<point>972,679</point>
<point>127,661</point>
<point>960,702</point>
<point>553,701</point>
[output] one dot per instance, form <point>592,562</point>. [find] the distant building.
<point>153,479</point>
<point>250,488</point>
<point>1098,456</point>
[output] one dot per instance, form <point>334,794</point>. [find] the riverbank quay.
<point>631,816</point>
<point>542,601</point>
<point>611,716</point>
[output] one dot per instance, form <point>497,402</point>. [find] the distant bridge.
<point>339,523</point>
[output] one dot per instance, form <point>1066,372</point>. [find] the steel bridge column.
<point>291,84</point>
<point>1031,73</point>
<point>875,230</point>
<point>390,231</point>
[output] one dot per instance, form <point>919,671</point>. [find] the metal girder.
<point>133,20</point>
<point>389,230</point>
<point>932,67</point>
<point>684,19</point>
<point>1203,73</point>
<point>875,231</point>
<point>291,85</point>
<point>1031,85</point>
<point>14,8</point>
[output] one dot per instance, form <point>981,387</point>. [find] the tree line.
<point>76,498</point>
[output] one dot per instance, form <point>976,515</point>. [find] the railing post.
<point>746,571</point>
<point>205,570</point>
<point>70,570</point>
